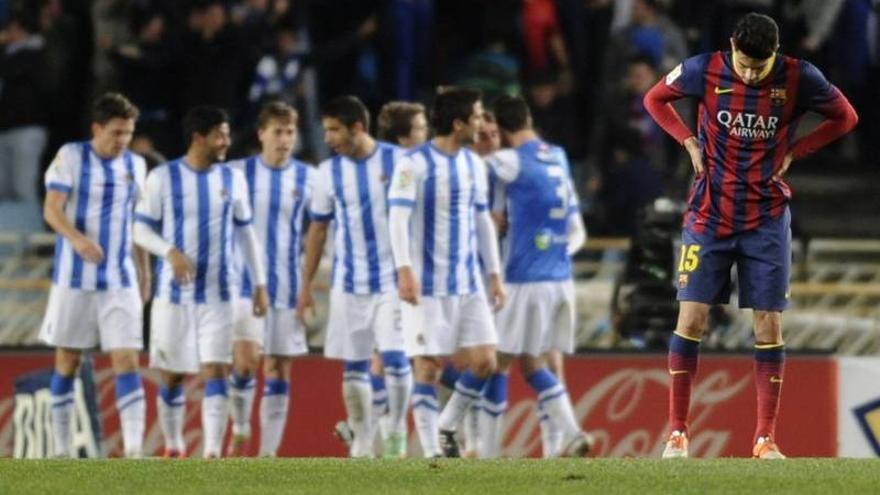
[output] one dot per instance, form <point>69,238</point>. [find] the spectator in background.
<point>111,29</point>
<point>650,34</point>
<point>212,59</point>
<point>553,110</point>
<point>494,70</point>
<point>412,29</point>
<point>278,72</point>
<point>629,182</point>
<point>23,104</point>
<point>143,71</point>
<point>544,44</point>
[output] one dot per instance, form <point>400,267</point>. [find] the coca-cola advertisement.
<point>620,399</point>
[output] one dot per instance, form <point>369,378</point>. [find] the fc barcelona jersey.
<point>744,132</point>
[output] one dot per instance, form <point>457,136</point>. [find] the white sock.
<point>241,403</point>
<point>171,407</point>
<point>379,417</point>
<point>357,394</point>
<point>425,415</point>
<point>551,436</point>
<point>62,407</point>
<point>273,415</point>
<point>132,412</point>
<point>215,414</point>
<point>554,400</point>
<point>467,389</point>
<point>399,384</point>
<point>492,415</point>
<point>471,428</point>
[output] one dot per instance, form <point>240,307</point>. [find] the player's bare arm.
<point>314,248</point>
<point>53,213</point>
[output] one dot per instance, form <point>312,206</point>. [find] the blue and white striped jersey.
<point>101,194</point>
<point>538,196</point>
<point>278,199</point>
<point>354,193</point>
<point>445,193</point>
<point>196,212</point>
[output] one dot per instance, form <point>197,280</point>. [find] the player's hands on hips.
<point>786,162</point>
<point>183,269</point>
<point>89,250</point>
<point>496,292</point>
<point>693,148</point>
<point>305,303</point>
<point>407,286</point>
<point>260,301</point>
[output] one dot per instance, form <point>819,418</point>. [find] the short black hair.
<point>512,113</point>
<point>349,110</point>
<point>451,104</point>
<point>756,35</point>
<point>111,106</point>
<point>201,120</point>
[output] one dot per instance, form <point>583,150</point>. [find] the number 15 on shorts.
<point>689,258</point>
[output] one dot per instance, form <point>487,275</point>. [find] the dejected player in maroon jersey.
<point>751,99</point>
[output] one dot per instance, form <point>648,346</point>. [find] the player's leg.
<point>764,267</point>
<point>349,339</point>
<point>427,338</point>
<point>380,424</point>
<point>474,331</point>
<point>214,331</point>
<point>494,405</point>
<point>551,434</point>
<point>70,325</point>
<point>174,352</point>
<point>121,329</point>
<point>61,387</point>
<point>397,370</point>
<point>285,338</point>
<point>703,280</point>
<point>247,339</point>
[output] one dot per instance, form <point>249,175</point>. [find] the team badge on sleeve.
<point>673,75</point>
<point>405,179</point>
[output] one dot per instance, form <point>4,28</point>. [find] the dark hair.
<point>277,110</point>
<point>451,104</point>
<point>349,110</point>
<point>756,35</point>
<point>26,13</point>
<point>395,119</point>
<point>201,120</point>
<point>512,113</point>
<point>111,106</point>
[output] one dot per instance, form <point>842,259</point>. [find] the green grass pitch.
<point>508,477</point>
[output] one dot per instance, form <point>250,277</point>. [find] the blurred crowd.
<point>584,65</point>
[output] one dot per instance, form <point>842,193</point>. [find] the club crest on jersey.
<point>224,194</point>
<point>384,179</point>
<point>682,280</point>
<point>777,96</point>
<point>405,179</point>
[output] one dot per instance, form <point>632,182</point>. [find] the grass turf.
<point>509,477</point>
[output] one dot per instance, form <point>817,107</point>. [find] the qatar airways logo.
<point>748,125</point>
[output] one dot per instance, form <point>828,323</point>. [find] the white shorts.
<point>80,319</point>
<point>438,326</point>
<point>537,318</point>
<point>184,336</point>
<point>359,324</point>
<point>279,333</point>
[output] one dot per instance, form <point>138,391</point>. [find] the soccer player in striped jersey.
<point>279,191</point>
<point>751,99</point>
<point>99,279</point>
<point>191,211</point>
<point>442,186</point>
<point>544,229</point>
<point>351,188</point>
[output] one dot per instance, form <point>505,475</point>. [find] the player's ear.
<point>732,45</point>
<point>96,128</point>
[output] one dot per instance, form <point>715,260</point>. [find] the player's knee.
<point>768,327</point>
<point>67,362</point>
<point>124,361</point>
<point>426,369</point>
<point>485,363</point>
<point>693,320</point>
<point>504,362</point>
<point>530,364</point>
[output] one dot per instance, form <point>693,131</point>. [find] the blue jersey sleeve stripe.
<point>481,206</point>
<point>242,223</point>
<point>57,186</point>
<point>320,217</point>
<point>152,222</point>
<point>406,203</point>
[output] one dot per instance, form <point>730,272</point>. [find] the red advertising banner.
<point>621,399</point>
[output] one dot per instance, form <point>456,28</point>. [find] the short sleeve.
<point>241,202</point>
<point>149,205</point>
<point>60,174</point>
<point>497,192</point>
<point>686,78</point>
<point>322,202</point>
<point>815,93</point>
<point>404,182</point>
<point>504,164</point>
